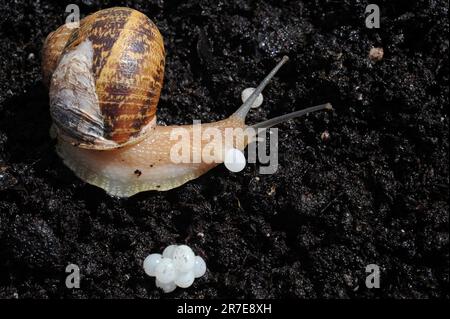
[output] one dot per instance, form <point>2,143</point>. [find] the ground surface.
<point>375,192</point>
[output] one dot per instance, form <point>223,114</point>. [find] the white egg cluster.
<point>177,266</point>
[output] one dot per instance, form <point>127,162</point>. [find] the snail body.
<point>104,80</point>
<point>144,166</point>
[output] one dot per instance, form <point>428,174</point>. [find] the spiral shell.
<point>105,78</point>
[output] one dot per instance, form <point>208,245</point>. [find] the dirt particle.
<point>325,136</point>
<point>272,190</point>
<point>376,54</point>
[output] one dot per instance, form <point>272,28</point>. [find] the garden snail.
<point>104,80</point>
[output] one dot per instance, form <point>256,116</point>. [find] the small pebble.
<point>234,160</point>
<point>246,94</point>
<point>376,54</point>
<point>325,136</point>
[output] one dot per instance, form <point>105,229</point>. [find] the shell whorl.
<point>120,93</point>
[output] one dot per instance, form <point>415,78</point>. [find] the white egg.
<point>168,251</point>
<point>246,94</point>
<point>168,287</point>
<point>234,160</point>
<point>165,271</point>
<point>185,279</point>
<point>150,263</point>
<point>199,267</point>
<point>183,258</point>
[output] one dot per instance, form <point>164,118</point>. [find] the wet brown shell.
<point>127,69</point>
<point>53,47</point>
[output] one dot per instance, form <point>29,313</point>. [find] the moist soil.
<point>367,183</point>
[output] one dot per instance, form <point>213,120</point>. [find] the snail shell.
<point>105,78</point>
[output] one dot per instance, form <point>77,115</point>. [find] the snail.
<point>104,81</point>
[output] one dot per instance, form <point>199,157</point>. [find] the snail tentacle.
<point>246,106</point>
<point>243,110</point>
<point>286,117</point>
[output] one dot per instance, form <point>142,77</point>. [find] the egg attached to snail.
<point>104,80</point>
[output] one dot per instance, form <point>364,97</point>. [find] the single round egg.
<point>150,263</point>
<point>199,267</point>
<point>183,258</point>
<point>165,271</point>
<point>246,94</point>
<point>185,279</point>
<point>234,160</point>
<point>168,251</point>
<point>168,287</point>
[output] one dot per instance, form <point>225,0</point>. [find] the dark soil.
<point>376,192</point>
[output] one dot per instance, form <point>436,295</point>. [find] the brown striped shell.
<point>105,78</point>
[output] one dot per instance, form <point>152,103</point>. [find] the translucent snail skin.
<point>104,80</point>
